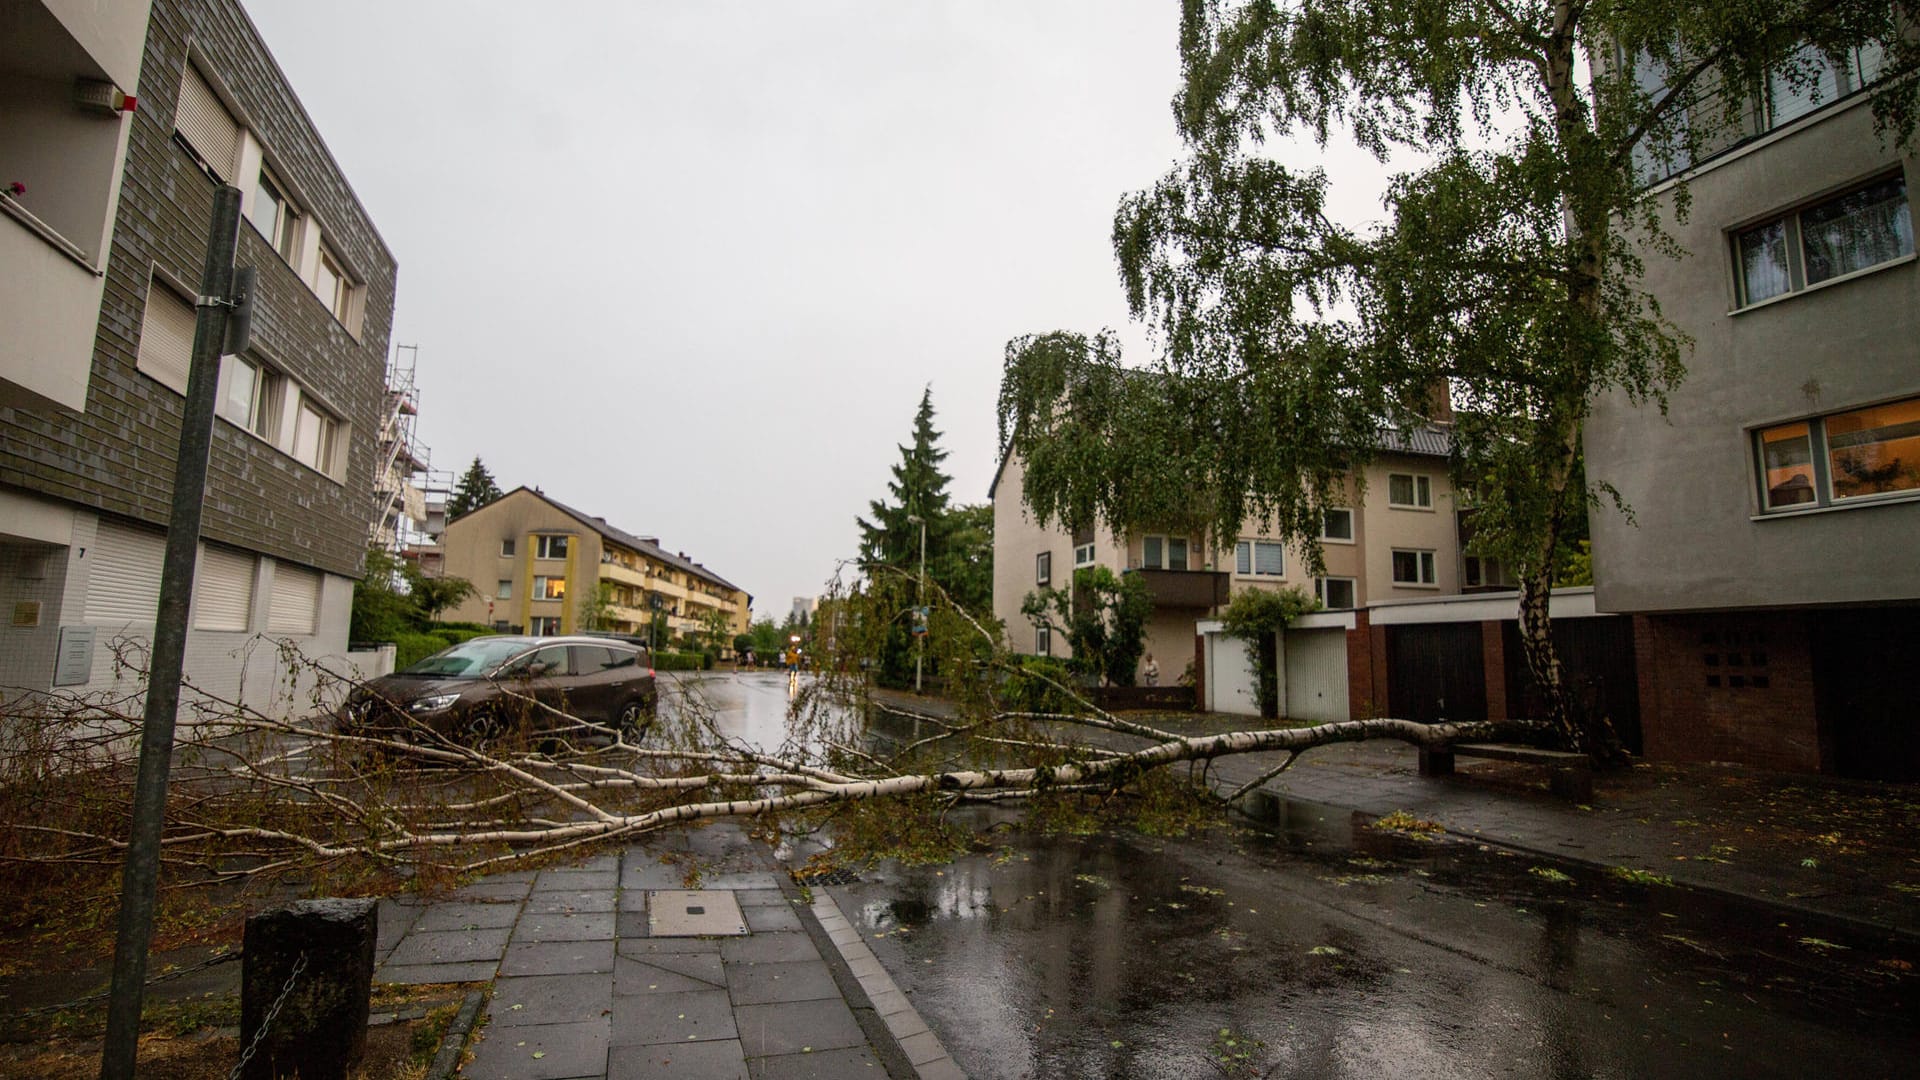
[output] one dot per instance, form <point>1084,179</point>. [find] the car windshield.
<point>469,658</point>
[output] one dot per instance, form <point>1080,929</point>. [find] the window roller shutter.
<point>210,129</point>
<point>294,607</point>
<point>123,584</point>
<point>223,590</point>
<point>166,337</point>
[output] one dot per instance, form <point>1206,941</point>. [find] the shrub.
<point>1027,690</point>
<point>411,648</point>
<point>678,661</point>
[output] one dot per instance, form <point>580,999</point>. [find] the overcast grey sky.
<point>689,265</point>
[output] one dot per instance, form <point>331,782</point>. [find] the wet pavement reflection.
<point>1308,954</point>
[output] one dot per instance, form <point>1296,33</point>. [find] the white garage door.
<point>1316,674</point>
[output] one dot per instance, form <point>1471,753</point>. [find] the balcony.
<point>1186,588</point>
<point>625,575</point>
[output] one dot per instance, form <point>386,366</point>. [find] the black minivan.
<point>476,691</point>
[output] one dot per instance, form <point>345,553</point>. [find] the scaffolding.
<point>410,496</point>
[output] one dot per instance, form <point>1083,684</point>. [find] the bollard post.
<point>305,985</point>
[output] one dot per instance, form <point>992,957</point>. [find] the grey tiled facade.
<point>117,456</point>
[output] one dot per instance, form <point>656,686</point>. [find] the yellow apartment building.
<point>537,564</point>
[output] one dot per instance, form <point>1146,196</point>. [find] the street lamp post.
<point>920,602</point>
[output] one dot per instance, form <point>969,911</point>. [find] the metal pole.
<point>139,880</point>
<point>920,600</point>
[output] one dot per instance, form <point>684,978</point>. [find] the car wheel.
<point>634,717</point>
<point>483,728</point>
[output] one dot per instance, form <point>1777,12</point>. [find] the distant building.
<point>540,566</point>
<point>104,253</point>
<point>1772,559</point>
<point>804,608</point>
<point>1396,539</point>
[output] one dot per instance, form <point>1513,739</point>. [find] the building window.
<point>550,547</point>
<point>1082,555</point>
<point>1336,524</point>
<point>203,121</point>
<point>1413,567</point>
<point>275,217</point>
<point>1405,490</point>
<point>1487,572</point>
<point>543,625</point>
<point>166,336</point>
<point>1163,552</point>
<point>1043,641</point>
<point>1853,231</point>
<point>1334,593</point>
<point>1260,558</point>
<point>1812,78</point>
<point>504,591</point>
<point>316,438</point>
<point>549,588</point>
<point>253,395</point>
<point>506,548</point>
<point>1043,568</point>
<point>1834,459</point>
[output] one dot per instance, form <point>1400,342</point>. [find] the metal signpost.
<point>139,880</point>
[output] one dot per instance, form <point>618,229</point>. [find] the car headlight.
<point>432,704</point>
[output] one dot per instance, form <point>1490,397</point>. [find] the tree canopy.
<point>959,538</point>
<point>474,490</point>
<point>1506,270</point>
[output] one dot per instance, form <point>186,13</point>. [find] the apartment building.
<point>121,122</point>
<point>539,567</point>
<point>1396,538</point>
<point>1772,560</point>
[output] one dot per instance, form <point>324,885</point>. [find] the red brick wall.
<point>1493,644</point>
<point>1728,687</point>
<point>1364,701</point>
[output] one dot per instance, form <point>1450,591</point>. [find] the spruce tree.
<point>475,490</point>
<point>918,488</point>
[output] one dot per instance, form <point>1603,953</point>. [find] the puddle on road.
<point>1325,948</point>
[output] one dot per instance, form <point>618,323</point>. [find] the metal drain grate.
<point>834,876</point>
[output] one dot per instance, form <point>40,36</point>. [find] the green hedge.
<point>679,661</point>
<point>410,649</point>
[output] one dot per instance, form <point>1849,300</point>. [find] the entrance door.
<point>1863,691</point>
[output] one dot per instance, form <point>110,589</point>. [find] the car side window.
<point>621,658</point>
<point>549,661</point>
<point>590,659</point>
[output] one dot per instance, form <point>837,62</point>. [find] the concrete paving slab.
<point>922,1047</point>
<point>716,1059</point>
<point>642,948</point>
<point>557,958</point>
<point>587,926</point>
<point>671,973</point>
<point>541,1052</point>
<point>765,918</point>
<point>888,1002</point>
<point>827,1065</point>
<point>417,974</point>
<point>572,901</point>
<point>690,1016</point>
<point>941,1068</point>
<point>395,919</point>
<point>575,880</point>
<point>653,875</point>
<point>769,948</point>
<point>492,889</point>
<point>761,898</point>
<point>467,916</point>
<point>632,900</point>
<point>450,947</point>
<point>798,980</point>
<point>757,881</point>
<point>550,999</point>
<point>904,1024</point>
<point>790,1027</point>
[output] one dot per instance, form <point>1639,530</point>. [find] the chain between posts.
<point>273,1012</point>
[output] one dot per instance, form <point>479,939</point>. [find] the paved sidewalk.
<point>585,986</point>
<point>1846,851</point>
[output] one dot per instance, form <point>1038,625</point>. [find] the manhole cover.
<point>698,913</point>
<point>834,876</point>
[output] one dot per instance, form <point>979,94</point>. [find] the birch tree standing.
<point>1507,267</point>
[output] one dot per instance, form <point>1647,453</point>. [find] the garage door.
<point>1316,674</point>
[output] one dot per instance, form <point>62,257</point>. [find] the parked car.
<point>476,691</point>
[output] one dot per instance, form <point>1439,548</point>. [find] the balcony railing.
<point>1186,588</point>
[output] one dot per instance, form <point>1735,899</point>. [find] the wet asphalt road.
<point>1321,947</point>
